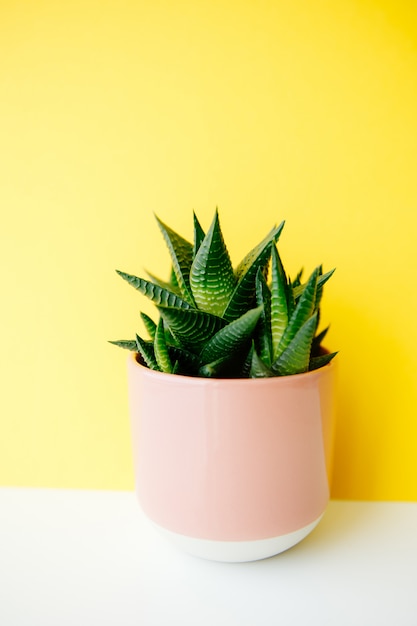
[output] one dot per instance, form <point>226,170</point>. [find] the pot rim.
<point>201,380</point>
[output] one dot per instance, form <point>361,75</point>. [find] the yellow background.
<point>110,111</point>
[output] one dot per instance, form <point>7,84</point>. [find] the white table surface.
<point>89,558</point>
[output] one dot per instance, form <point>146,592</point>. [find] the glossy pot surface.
<point>232,460</point>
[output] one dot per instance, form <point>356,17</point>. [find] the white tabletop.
<point>83,558</point>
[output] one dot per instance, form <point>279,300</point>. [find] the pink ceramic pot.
<point>232,469</point>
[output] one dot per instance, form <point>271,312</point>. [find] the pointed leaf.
<point>211,278</point>
<point>155,293</point>
<point>190,327</point>
<point>181,252</point>
<point>161,349</point>
<point>126,344</point>
<point>296,357</point>
<point>243,296</point>
<point>149,325</point>
<point>147,352</point>
<point>290,299</point>
<point>322,279</point>
<point>199,235</point>
<point>320,361</point>
<point>263,340</point>
<point>279,305</point>
<point>302,311</point>
<point>258,368</point>
<point>232,338</point>
<point>252,256</point>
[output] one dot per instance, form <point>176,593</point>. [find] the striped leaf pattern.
<point>158,295</point>
<point>149,325</point>
<point>232,337</point>
<point>126,344</point>
<point>147,351</point>
<point>304,309</point>
<point>279,304</point>
<point>190,327</point>
<point>296,357</point>
<point>212,278</point>
<point>263,339</point>
<point>161,349</point>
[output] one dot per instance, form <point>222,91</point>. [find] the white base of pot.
<point>238,551</point>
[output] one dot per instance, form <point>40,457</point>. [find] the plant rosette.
<point>231,400</point>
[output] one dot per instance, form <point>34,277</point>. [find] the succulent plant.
<point>216,321</point>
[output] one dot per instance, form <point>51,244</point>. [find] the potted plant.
<point>231,399</point>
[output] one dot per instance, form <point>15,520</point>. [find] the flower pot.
<point>232,469</point>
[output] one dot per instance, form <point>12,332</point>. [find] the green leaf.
<point>199,235</point>
<point>252,256</point>
<point>181,252</point>
<point>257,258</point>
<point>211,277</point>
<point>279,305</point>
<point>296,357</point>
<point>161,349</point>
<point>190,327</point>
<point>126,344</point>
<point>320,361</point>
<point>263,340</point>
<point>164,284</point>
<point>290,299</point>
<point>158,295</point>
<point>147,352</point>
<point>302,312</point>
<point>235,365</point>
<point>258,368</point>
<point>149,325</point>
<point>216,369</point>
<point>232,338</point>
<point>322,279</point>
<point>187,363</point>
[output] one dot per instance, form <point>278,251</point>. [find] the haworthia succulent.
<point>218,322</point>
